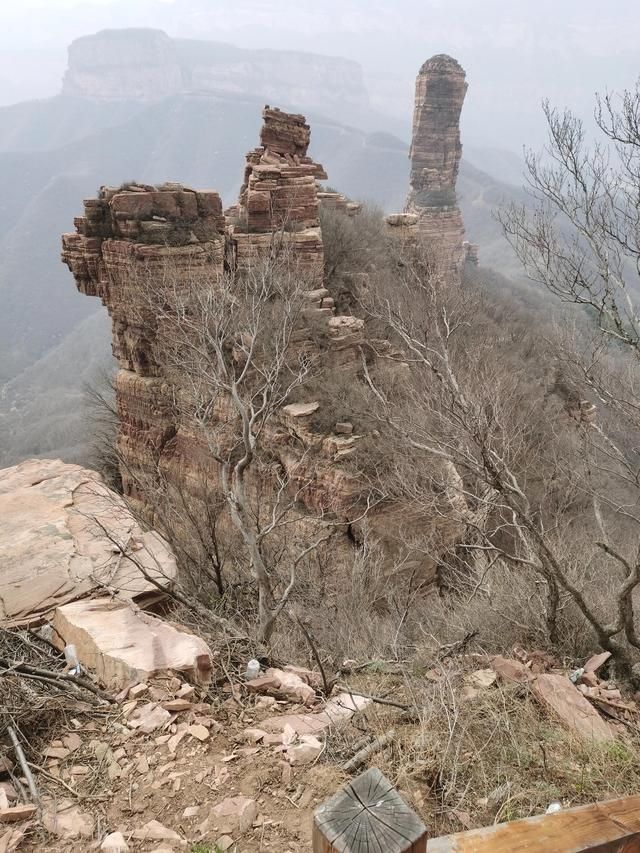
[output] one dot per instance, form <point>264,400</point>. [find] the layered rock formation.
<point>134,235</point>
<point>146,65</point>
<point>278,200</point>
<point>435,159</point>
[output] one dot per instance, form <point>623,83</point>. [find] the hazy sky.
<point>516,52</point>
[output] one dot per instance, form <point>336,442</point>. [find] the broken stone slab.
<point>235,814</point>
<point>119,642</point>
<point>336,712</point>
<point>115,843</point>
<point>153,830</point>
<point>52,549</point>
<point>596,661</point>
<point>568,704</point>
<point>510,670</point>
<point>67,820</point>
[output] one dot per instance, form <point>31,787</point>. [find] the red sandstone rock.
<point>128,237</point>
<point>435,159</point>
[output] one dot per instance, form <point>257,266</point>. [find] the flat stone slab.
<point>566,703</point>
<point>119,642</point>
<point>57,523</point>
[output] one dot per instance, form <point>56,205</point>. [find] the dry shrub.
<point>496,757</point>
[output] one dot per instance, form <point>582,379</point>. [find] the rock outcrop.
<point>132,235</point>
<point>147,65</point>
<point>279,200</point>
<point>435,159</point>
<point>59,525</point>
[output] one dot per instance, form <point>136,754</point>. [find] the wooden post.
<point>368,816</point>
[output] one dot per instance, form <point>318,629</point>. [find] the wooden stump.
<point>368,816</point>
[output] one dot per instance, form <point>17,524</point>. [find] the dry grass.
<point>497,757</point>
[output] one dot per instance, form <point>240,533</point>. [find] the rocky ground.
<point>171,767</point>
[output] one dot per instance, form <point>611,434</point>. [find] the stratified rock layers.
<point>131,236</point>
<point>435,159</point>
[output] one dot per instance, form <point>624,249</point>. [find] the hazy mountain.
<point>514,53</point>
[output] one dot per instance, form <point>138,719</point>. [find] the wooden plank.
<point>608,827</point>
<point>368,816</point>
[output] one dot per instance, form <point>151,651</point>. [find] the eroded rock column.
<point>435,159</point>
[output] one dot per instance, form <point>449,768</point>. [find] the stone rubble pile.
<point>161,732</point>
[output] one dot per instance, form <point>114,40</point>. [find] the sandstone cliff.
<point>133,234</point>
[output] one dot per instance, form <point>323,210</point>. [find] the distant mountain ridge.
<point>147,65</point>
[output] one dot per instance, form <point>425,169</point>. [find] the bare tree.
<point>529,460</point>
<point>235,352</point>
<point>580,236</point>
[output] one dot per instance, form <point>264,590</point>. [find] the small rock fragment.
<point>191,811</point>
<point>235,814</point>
<point>148,718</point>
<point>177,705</point>
<point>155,831</point>
<point>72,741</point>
<point>115,843</point>
<point>199,732</point>
<point>57,752</point>
<point>306,751</point>
<point>510,670</point>
<point>483,678</point>
<point>12,814</point>
<point>254,735</point>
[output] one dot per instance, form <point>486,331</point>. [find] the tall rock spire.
<point>435,158</point>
